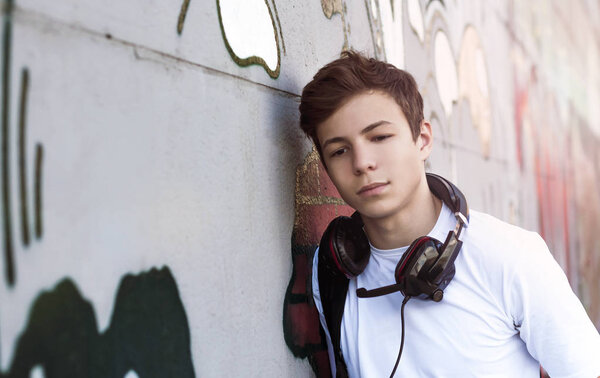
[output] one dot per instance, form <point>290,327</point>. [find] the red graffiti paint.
<point>317,203</point>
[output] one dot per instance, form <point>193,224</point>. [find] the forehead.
<point>360,111</point>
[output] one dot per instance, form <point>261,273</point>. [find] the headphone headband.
<point>450,195</point>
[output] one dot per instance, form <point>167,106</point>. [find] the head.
<point>352,74</point>
<point>366,120</point>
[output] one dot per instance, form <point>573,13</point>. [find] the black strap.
<point>333,288</point>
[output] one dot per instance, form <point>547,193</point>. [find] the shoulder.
<point>501,253</point>
<point>500,240</point>
<point>513,264</point>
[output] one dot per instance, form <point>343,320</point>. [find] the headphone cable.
<point>401,337</point>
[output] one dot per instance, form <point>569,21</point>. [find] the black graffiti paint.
<point>9,258</point>
<point>148,332</point>
<point>39,158</point>
<point>6,218</point>
<point>22,155</point>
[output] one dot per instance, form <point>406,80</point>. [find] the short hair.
<point>350,75</point>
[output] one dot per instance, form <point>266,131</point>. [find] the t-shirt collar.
<point>445,222</point>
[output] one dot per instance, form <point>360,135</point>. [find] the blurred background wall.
<point>160,206</point>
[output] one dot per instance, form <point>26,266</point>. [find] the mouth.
<point>374,188</point>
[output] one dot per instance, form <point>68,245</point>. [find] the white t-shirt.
<point>508,306</point>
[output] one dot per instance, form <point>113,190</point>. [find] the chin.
<point>375,212</point>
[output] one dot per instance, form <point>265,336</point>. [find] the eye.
<point>379,138</point>
<point>338,152</point>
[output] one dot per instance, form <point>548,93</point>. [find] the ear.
<point>425,140</point>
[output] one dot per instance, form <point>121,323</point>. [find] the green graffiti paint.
<point>253,59</point>
<point>182,14</point>
<point>279,25</point>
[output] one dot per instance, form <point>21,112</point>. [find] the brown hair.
<point>352,74</point>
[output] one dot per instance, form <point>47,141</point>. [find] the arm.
<point>550,318</point>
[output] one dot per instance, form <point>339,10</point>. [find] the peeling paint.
<point>333,7</point>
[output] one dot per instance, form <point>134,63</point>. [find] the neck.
<point>401,228</point>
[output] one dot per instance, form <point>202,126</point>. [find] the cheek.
<point>343,185</point>
<point>337,170</point>
<point>339,181</point>
<point>403,155</point>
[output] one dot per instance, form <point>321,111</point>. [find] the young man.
<point>507,309</point>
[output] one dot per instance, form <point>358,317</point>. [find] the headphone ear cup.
<point>413,271</point>
<point>345,246</point>
<point>442,271</point>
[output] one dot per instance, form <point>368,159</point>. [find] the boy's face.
<point>370,154</point>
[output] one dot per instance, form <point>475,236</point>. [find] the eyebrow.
<point>362,132</point>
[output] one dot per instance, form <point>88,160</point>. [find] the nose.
<point>362,160</point>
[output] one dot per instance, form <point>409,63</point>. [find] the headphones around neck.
<point>425,269</point>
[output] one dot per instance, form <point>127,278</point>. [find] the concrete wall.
<point>158,196</point>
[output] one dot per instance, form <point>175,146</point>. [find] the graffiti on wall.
<point>182,13</point>
<point>556,143</point>
<point>335,7</point>
<point>9,249</point>
<point>448,83</point>
<point>585,189</point>
<point>416,36</point>
<point>148,334</point>
<point>455,84</point>
<point>250,32</point>
<point>565,170</point>
<point>317,202</point>
<point>451,59</point>
<point>23,185</point>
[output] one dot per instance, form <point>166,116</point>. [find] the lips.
<point>373,188</point>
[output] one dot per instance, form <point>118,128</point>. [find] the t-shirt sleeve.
<point>550,318</point>
<point>317,298</point>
